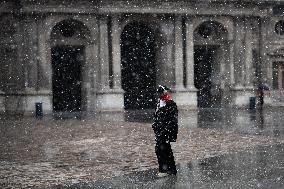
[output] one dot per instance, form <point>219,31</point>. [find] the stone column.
<point>228,74</point>
<point>44,54</point>
<point>189,49</point>
<point>186,98</point>
<point>231,63</point>
<point>164,55</point>
<point>87,79</point>
<point>104,53</point>
<point>265,75</point>
<point>265,62</point>
<point>116,52</point>
<point>44,63</point>
<point>248,54</point>
<point>189,55</point>
<point>92,68</point>
<point>30,58</point>
<point>30,38</point>
<point>178,54</point>
<point>239,53</point>
<point>107,98</point>
<point>16,59</point>
<point>242,90</point>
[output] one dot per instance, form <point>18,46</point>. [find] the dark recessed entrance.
<point>66,78</point>
<point>138,66</point>
<point>203,59</point>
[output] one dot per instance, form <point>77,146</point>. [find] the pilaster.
<point>164,60</point>
<point>186,96</point>
<point>104,53</point>
<point>243,88</point>
<point>116,51</point>
<point>179,86</point>
<point>248,54</point>
<point>239,59</point>
<point>265,75</point>
<point>30,51</point>
<point>110,98</point>
<point>191,100</point>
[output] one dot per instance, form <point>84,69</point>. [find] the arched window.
<point>278,10</point>
<point>211,30</point>
<point>279,27</point>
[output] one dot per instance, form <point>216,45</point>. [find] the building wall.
<point>244,60</point>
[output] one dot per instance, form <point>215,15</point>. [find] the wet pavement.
<point>262,167</point>
<point>216,148</point>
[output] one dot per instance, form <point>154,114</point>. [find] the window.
<point>278,75</point>
<point>275,76</point>
<point>279,27</point>
<point>278,10</point>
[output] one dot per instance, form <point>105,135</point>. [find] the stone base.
<point>186,99</point>
<point>43,97</point>
<point>241,95</point>
<point>24,102</point>
<point>14,104</point>
<point>269,99</point>
<point>110,100</point>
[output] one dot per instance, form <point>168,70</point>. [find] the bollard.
<point>38,109</point>
<point>252,103</point>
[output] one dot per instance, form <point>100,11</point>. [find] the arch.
<point>69,39</point>
<point>210,32</point>
<point>225,23</point>
<point>151,21</point>
<point>138,65</point>
<point>91,57</point>
<point>53,21</point>
<point>68,29</point>
<point>210,44</point>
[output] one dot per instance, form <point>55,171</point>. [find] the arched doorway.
<point>67,79</point>
<point>138,66</point>
<point>209,50</point>
<point>68,40</point>
<point>203,59</point>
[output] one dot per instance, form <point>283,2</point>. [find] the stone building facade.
<point>92,55</point>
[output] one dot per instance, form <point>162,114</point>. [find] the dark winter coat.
<point>165,125</point>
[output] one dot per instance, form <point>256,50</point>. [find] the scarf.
<point>163,99</point>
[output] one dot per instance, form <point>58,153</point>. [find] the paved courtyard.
<point>101,150</point>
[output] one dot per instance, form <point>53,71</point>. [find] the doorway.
<point>67,79</point>
<point>138,66</point>
<point>203,74</point>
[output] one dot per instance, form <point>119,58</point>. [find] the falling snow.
<point>63,63</point>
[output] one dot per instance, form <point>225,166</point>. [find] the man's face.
<point>169,94</point>
<point>165,96</point>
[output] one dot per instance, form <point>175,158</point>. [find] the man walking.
<point>165,128</point>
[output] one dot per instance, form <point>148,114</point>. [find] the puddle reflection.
<point>258,121</point>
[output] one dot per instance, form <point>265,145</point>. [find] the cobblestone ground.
<point>47,152</point>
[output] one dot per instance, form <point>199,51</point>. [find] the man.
<point>165,128</point>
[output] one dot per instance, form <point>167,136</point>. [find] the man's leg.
<point>165,158</point>
<point>159,154</point>
<point>163,153</point>
<point>171,160</point>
